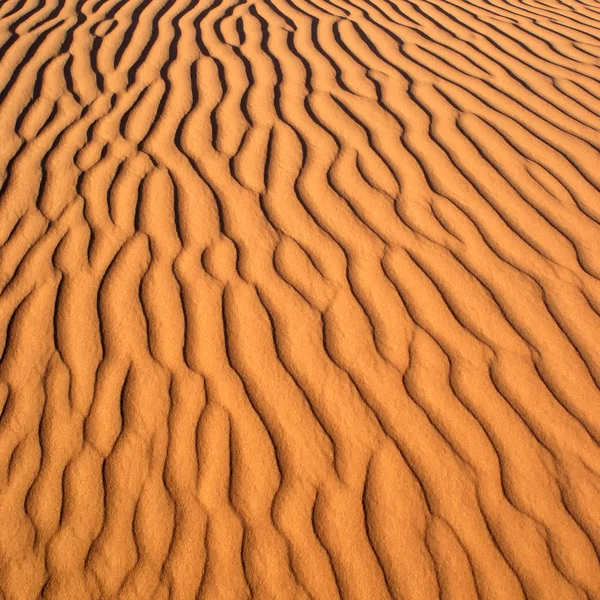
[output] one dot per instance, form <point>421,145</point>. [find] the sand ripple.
<point>300,299</point>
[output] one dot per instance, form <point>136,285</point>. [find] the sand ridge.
<point>300,299</point>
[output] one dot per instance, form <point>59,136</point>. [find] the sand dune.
<point>300,299</point>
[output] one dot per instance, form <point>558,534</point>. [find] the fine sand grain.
<point>300,299</point>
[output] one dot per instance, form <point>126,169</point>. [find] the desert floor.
<point>300,299</point>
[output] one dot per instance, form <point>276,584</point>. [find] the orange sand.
<point>300,299</point>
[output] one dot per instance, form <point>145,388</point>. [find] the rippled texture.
<point>300,299</point>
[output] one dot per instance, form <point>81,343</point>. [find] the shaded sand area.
<point>300,299</point>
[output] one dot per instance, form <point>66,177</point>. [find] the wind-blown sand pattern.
<point>300,299</point>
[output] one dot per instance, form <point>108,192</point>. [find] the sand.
<point>300,299</point>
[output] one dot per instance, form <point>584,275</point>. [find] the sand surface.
<point>300,299</point>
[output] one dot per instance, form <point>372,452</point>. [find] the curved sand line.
<point>300,299</point>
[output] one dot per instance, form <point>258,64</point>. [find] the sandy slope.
<point>300,299</point>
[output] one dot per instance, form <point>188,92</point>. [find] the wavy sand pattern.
<point>300,299</point>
